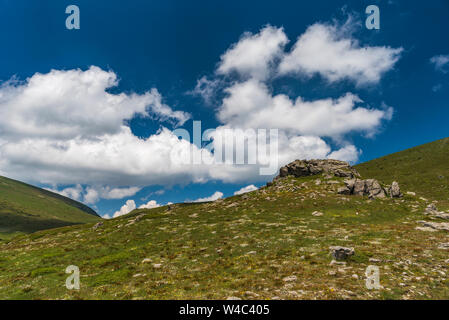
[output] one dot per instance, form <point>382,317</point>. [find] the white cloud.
<point>441,63</point>
<point>326,50</point>
<point>150,205</point>
<point>74,193</point>
<point>91,195</point>
<point>206,89</point>
<point>246,189</point>
<point>348,153</point>
<point>63,105</point>
<point>65,128</point>
<point>253,55</point>
<point>250,104</point>
<point>129,206</point>
<point>118,193</point>
<point>217,195</point>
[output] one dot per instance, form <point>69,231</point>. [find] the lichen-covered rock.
<point>97,225</point>
<point>302,168</point>
<point>394,190</point>
<point>370,187</point>
<point>344,191</point>
<point>353,184</point>
<point>359,187</point>
<point>341,253</point>
<point>350,184</point>
<point>373,189</point>
<point>431,209</point>
<point>435,225</point>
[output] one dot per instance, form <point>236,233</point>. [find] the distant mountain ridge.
<point>25,208</point>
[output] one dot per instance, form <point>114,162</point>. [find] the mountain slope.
<point>423,169</point>
<point>267,244</point>
<point>25,208</point>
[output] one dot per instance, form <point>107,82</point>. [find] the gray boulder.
<point>344,190</point>
<point>374,189</point>
<point>394,190</point>
<point>97,225</point>
<point>359,187</point>
<point>302,168</point>
<point>350,184</point>
<point>341,253</point>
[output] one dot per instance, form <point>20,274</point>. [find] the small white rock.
<point>290,278</point>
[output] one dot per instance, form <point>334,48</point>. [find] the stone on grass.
<point>395,191</point>
<point>435,225</point>
<point>290,278</point>
<point>97,225</point>
<point>344,190</point>
<point>341,253</point>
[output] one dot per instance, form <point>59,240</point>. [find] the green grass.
<point>423,169</point>
<point>243,246</point>
<point>25,209</point>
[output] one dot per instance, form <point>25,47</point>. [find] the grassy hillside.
<point>24,208</point>
<point>262,245</point>
<point>423,169</point>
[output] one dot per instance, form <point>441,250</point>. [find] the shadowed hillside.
<point>25,208</point>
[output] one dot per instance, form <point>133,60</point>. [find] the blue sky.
<point>169,46</point>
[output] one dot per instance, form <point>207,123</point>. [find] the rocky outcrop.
<point>302,168</point>
<point>353,184</point>
<point>369,187</point>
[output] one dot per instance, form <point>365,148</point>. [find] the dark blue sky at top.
<point>170,44</point>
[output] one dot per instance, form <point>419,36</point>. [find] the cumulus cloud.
<point>74,193</point>
<point>441,63</point>
<point>91,195</point>
<point>251,104</point>
<point>254,54</point>
<point>66,128</point>
<point>348,153</point>
<point>217,195</point>
<point>150,205</point>
<point>129,206</point>
<point>328,50</point>
<point>246,189</point>
<point>66,104</point>
<point>118,193</point>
